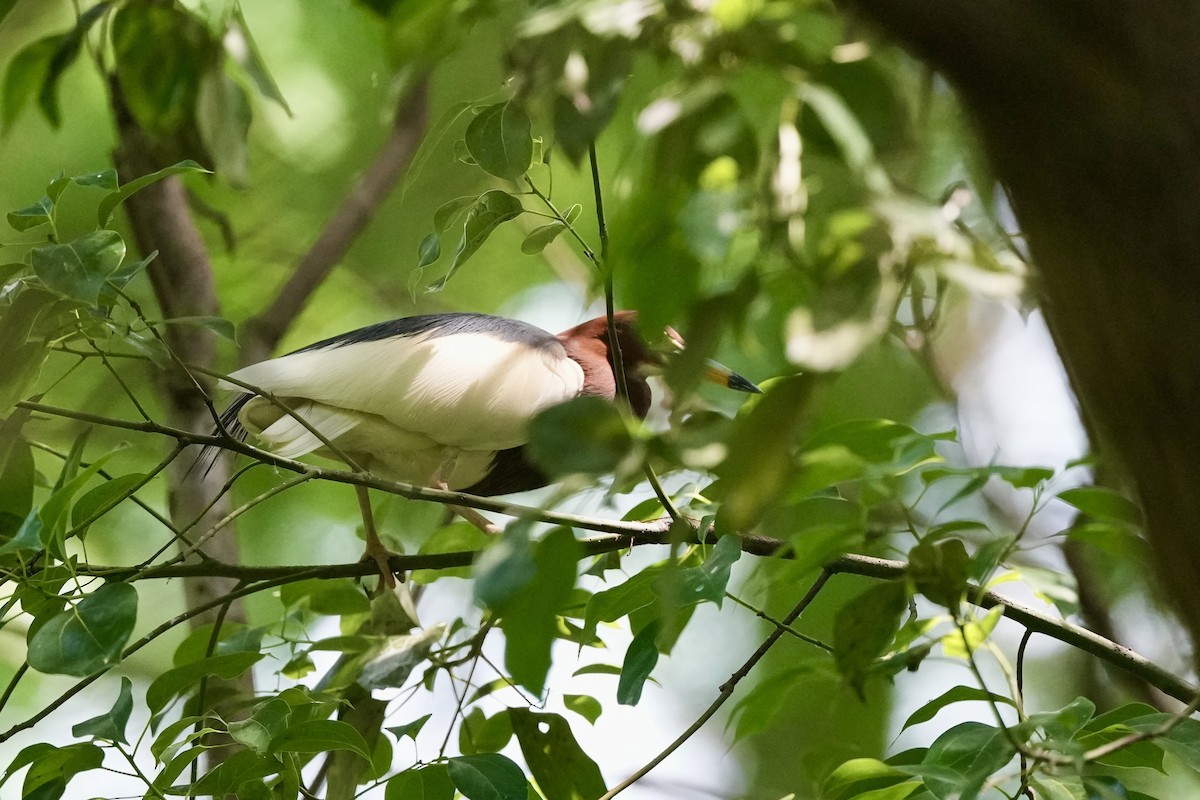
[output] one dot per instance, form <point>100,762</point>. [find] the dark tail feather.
<point>230,426</point>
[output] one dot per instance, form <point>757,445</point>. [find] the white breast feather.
<point>466,390</point>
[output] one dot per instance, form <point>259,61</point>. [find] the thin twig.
<point>726,689</point>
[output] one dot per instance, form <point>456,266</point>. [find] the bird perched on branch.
<point>442,400</point>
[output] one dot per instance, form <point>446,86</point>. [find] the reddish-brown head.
<point>587,345</point>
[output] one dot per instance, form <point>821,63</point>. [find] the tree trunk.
<point>1089,111</point>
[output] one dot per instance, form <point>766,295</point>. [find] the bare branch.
<point>264,331</point>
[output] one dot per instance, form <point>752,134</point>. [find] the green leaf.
<point>539,238</point>
<point>103,498</point>
<point>78,269</point>
<point>67,50</point>
<point>864,627</point>
<point>958,694</point>
<point>111,725</point>
<point>449,210</point>
<point>760,458</point>
<point>333,597</point>
<point>104,179</point>
<point>27,71</point>
<point>429,251</point>
<point>28,536</point>
<point>500,140</point>
<point>961,643</point>
<point>707,582</point>
<point>961,760</point>
<point>218,325</point>
<point>428,783</point>
<point>585,435</point>
<point>161,51</point>
<point>174,681</point>
<point>39,66</point>
<point>31,216</point>
<point>584,705</point>
<point>1103,504</point>
<point>640,659</point>
<point>268,721</point>
<point>759,706</point>
<point>845,129</point>
<point>490,210</point>
<point>1104,787</point>
<point>88,636</point>
<point>17,472</point>
<point>480,734</point>
<point>597,669</point>
<point>558,764</point>
<point>410,729</point>
<point>621,600</point>
<point>319,736</point>
<point>52,768</point>
<point>23,358</point>
<point>223,117</point>
<point>109,203</point>
<point>851,778</point>
<point>940,570</point>
<point>238,769</point>
<point>529,616</point>
<point>250,59</point>
<point>1116,724</point>
<point>488,776</point>
<point>505,567</point>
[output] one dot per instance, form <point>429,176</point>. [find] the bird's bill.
<point>724,376</point>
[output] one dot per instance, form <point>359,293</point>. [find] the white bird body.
<point>424,400</point>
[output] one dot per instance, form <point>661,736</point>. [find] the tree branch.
<point>263,332</point>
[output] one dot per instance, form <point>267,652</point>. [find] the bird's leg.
<point>475,518</point>
<point>469,514</point>
<point>375,550</point>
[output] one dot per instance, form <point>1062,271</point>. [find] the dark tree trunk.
<point>1090,111</point>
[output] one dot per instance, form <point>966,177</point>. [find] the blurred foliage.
<point>784,189</point>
